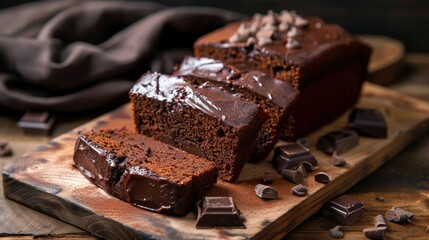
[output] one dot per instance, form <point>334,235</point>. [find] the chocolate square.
<point>345,209</point>
<point>39,123</point>
<point>218,212</point>
<point>337,141</point>
<point>369,122</point>
<point>291,156</point>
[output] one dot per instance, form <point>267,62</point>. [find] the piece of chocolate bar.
<point>39,123</point>
<point>266,192</point>
<point>369,122</point>
<point>218,212</point>
<point>267,177</point>
<point>337,141</point>
<point>291,156</point>
<point>345,209</point>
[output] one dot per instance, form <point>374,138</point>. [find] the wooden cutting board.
<point>47,181</point>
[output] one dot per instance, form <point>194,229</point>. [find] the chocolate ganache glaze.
<point>147,173</point>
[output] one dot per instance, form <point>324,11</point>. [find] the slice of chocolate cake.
<point>324,62</point>
<point>276,97</point>
<point>203,120</point>
<point>147,173</point>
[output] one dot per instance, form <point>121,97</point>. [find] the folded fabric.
<point>90,54</point>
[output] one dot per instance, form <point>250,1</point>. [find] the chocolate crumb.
<point>379,198</point>
<point>322,177</point>
<point>337,160</point>
<point>398,215</point>
<point>5,149</point>
<point>266,192</point>
<point>299,190</point>
<point>294,176</point>
<point>267,177</point>
<point>336,232</point>
<point>379,221</point>
<point>375,232</point>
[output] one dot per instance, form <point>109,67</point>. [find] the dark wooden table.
<point>403,182</point>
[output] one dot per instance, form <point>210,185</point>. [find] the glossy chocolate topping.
<point>277,91</point>
<point>142,171</point>
<point>213,101</point>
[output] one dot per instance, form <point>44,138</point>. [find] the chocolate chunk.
<point>37,123</point>
<point>345,209</point>
<point>267,177</point>
<point>299,190</point>
<point>379,221</point>
<point>336,232</point>
<point>375,232</point>
<point>369,122</point>
<point>379,198</point>
<point>218,212</point>
<point>322,177</point>
<point>266,192</point>
<point>337,160</point>
<point>398,215</point>
<point>337,141</point>
<point>5,149</point>
<point>291,155</point>
<point>427,229</point>
<point>294,176</point>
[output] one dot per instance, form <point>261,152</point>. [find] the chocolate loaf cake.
<point>276,97</point>
<point>145,172</point>
<point>203,120</point>
<point>324,62</point>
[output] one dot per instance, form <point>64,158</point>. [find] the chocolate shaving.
<point>379,221</point>
<point>299,190</point>
<point>375,232</point>
<point>427,229</point>
<point>398,215</point>
<point>294,176</point>
<point>336,232</point>
<point>337,160</point>
<point>267,177</point>
<point>266,192</point>
<point>322,177</point>
<point>292,44</point>
<point>302,169</point>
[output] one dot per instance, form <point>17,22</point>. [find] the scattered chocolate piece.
<point>303,141</point>
<point>322,177</point>
<point>303,170</point>
<point>345,209</point>
<point>291,155</point>
<point>5,149</point>
<point>369,122</point>
<point>379,198</point>
<point>398,215</point>
<point>379,221</point>
<point>36,123</point>
<point>294,176</point>
<point>336,232</point>
<point>218,212</point>
<point>299,190</point>
<point>267,177</point>
<point>337,141</point>
<point>375,232</point>
<point>427,229</point>
<point>266,192</point>
<point>337,160</point>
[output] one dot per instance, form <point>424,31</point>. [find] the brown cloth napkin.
<point>90,54</point>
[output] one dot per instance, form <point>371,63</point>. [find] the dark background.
<point>405,20</point>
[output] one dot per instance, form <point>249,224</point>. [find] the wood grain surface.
<point>46,180</point>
